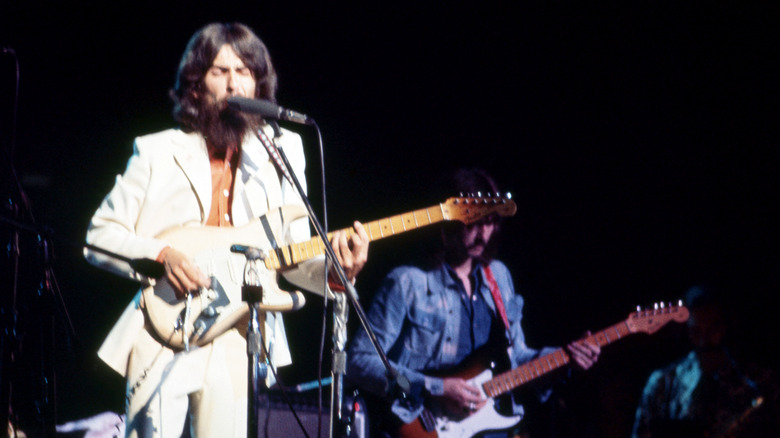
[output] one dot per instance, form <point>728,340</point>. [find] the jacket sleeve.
<point>387,316</point>
<point>113,225</point>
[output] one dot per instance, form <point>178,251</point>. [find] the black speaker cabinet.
<point>276,419</point>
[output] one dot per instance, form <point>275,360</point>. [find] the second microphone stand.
<point>396,381</point>
<point>252,294</point>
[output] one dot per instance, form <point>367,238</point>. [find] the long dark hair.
<point>198,57</point>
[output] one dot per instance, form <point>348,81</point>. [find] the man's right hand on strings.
<point>181,273</point>
<point>461,397</point>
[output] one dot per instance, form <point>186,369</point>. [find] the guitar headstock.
<point>470,209</point>
<point>651,320</point>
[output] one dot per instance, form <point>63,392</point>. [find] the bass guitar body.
<point>220,307</point>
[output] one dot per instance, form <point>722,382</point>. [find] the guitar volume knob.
<point>199,327</point>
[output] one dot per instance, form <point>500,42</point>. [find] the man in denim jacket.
<point>431,321</point>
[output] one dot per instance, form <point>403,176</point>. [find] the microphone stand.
<point>396,380</point>
<point>257,371</point>
<point>50,311</point>
<point>146,267</point>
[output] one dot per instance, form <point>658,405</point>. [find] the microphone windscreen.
<point>254,106</point>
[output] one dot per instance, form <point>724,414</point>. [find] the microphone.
<point>267,109</point>
<point>250,252</point>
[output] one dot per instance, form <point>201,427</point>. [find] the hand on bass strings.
<point>183,275</point>
<point>351,251</point>
<point>461,397</point>
<point>584,353</point>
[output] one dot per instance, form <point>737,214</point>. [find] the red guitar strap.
<point>496,296</point>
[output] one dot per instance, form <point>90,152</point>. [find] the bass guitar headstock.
<point>470,209</point>
<point>651,320</point>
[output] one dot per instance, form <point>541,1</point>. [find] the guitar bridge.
<point>427,420</point>
<point>217,300</point>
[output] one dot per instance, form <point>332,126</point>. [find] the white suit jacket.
<point>167,184</point>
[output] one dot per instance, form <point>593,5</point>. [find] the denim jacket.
<point>416,320</point>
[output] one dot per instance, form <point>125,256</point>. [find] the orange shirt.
<point>223,171</point>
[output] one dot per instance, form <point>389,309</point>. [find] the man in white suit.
<point>211,171</point>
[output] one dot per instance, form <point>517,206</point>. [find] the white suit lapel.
<point>192,158</point>
<point>259,188</point>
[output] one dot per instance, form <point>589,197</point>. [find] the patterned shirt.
<point>680,400</point>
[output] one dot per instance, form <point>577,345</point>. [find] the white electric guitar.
<point>218,308</point>
<point>477,371</point>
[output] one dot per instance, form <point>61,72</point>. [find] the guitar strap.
<point>496,293</point>
<point>501,310</point>
<point>273,152</point>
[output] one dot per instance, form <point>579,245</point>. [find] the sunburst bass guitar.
<point>214,310</point>
<point>477,371</point>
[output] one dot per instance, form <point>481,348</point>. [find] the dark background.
<point>639,142</point>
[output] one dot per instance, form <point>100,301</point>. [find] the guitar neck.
<point>300,252</point>
<point>543,365</point>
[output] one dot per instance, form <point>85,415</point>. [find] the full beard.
<point>223,127</point>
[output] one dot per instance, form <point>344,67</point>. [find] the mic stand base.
<point>257,367</point>
<point>340,427</point>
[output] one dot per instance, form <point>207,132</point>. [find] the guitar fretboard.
<point>378,229</point>
<point>644,321</point>
<point>538,367</point>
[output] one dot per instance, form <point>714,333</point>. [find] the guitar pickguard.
<point>219,308</point>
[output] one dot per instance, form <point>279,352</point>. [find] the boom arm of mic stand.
<point>146,267</point>
<point>396,379</point>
